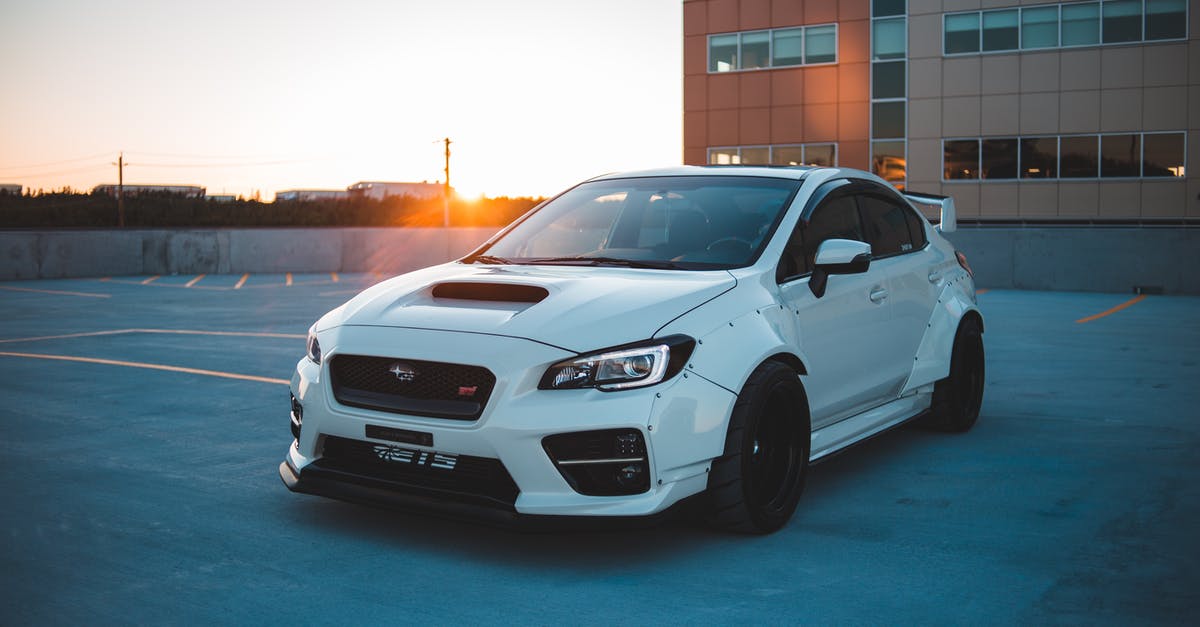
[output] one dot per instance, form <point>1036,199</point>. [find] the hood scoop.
<point>495,292</point>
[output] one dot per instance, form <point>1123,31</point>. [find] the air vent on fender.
<point>501,292</point>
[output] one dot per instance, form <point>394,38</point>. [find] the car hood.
<point>576,308</point>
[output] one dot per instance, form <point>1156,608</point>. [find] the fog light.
<point>297,417</point>
<point>630,476</point>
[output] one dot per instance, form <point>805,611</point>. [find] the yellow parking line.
<point>195,280</point>
<point>105,279</point>
<point>1129,303</point>
<point>286,336</point>
<point>334,276</point>
<point>135,364</point>
<point>289,279</point>
<point>982,291</point>
<point>66,336</point>
<point>151,279</point>
<point>241,281</point>
<point>30,289</point>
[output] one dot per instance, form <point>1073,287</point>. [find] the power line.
<point>50,163</point>
<point>221,165</point>
<point>56,172</point>
<point>192,156</point>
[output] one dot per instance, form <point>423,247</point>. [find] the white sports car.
<point>641,339</point>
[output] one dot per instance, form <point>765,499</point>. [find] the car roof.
<point>794,172</point>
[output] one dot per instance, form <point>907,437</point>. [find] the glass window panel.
<point>960,159</point>
<point>962,33</point>
<point>1081,24</point>
<point>887,79</point>
<point>890,38</point>
<point>1120,155</point>
<point>820,154</point>
<point>888,162</point>
<point>885,226</point>
<point>1166,19</point>
<point>756,48</point>
<point>1000,30</point>
<point>1163,154</point>
<point>787,155</point>
<point>915,229</point>
<point>881,8</point>
<point>835,218</point>
<point>820,44</point>
<point>1122,21</point>
<point>1080,157</point>
<point>787,47</point>
<point>1039,27</point>
<point>722,53</point>
<point>999,159</point>
<point>758,155</point>
<point>887,120</point>
<point>1039,157</point>
<point>723,156</point>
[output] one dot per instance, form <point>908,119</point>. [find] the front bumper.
<point>683,422</point>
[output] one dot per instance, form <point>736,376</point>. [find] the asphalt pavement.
<point>144,419</point>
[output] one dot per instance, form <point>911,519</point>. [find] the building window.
<point>887,120</point>
<point>787,47</point>
<point>1162,154</point>
<point>1070,24</point>
<point>890,38</point>
<point>763,49</point>
<point>1115,155</point>
<point>1000,30</point>
<point>1122,21</point>
<point>884,8</point>
<point>960,159</point>
<point>823,154</point>
<point>1039,158</point>
<point>722,53</point>
<point>999,158</point>
<point>1079,156</point>
<point>888,80</point>
<point>1081,24</point>
<point>820,44</point>
<point>1166,19</point>
<point>888,162</point>
<point>962,33</point>
<point>755,50</point>
<point>1120,155</point>
<point>1039,28</point>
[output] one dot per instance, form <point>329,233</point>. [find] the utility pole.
<point>446,188</point>
<point>120,189</point>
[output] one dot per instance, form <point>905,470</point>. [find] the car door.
<point>840,332</point>
<point>900,250</point>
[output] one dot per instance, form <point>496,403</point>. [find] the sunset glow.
<point>264,96</point>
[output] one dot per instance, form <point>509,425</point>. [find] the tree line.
<point>70,209</point>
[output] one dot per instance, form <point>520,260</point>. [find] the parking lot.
<point>144,419</point>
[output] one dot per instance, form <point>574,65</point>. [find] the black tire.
<point>755,486</point>
<point>957,398</point>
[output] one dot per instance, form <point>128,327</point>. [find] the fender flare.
<point>932,361</point>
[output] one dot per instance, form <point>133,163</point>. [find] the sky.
<point>256,95</point>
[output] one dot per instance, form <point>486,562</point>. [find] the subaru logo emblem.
<point>403,372</point>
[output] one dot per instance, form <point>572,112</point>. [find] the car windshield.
<point>670,222</point>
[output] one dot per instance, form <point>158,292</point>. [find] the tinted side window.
<point>916,228</point>
<point>886,226</point>
<point>835,218</point>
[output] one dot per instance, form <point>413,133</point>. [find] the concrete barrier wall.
<point>1074,259</point>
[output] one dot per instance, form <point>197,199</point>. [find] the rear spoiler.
<point>949,220</point>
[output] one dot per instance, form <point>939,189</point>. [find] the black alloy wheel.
<point>756,485</point>
<point>957,398</point>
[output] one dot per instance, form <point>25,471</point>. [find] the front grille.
<point>457,477</point>
<point>409,386</point>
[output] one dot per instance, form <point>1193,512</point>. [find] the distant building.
<point>221,197</point>
<point>10,188</point>
<point>380,189</point>
<point>189,191</point>
<point>311,194</point>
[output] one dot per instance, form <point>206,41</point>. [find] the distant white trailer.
<point>11,188</point>
<point>294,195</point>
<point>382,189</point>
<point>190,191</point>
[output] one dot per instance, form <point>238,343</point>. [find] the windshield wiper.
<point>605,261</point>
<point>489,259</point>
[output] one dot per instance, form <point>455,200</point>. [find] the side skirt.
<point>841,435</point>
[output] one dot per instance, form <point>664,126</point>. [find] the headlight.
<point>621,367</point>
<point>314,347</point>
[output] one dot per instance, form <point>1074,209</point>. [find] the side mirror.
<point>838,256</point>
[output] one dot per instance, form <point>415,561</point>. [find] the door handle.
<point>878,295</point>
<point>935,276</point>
